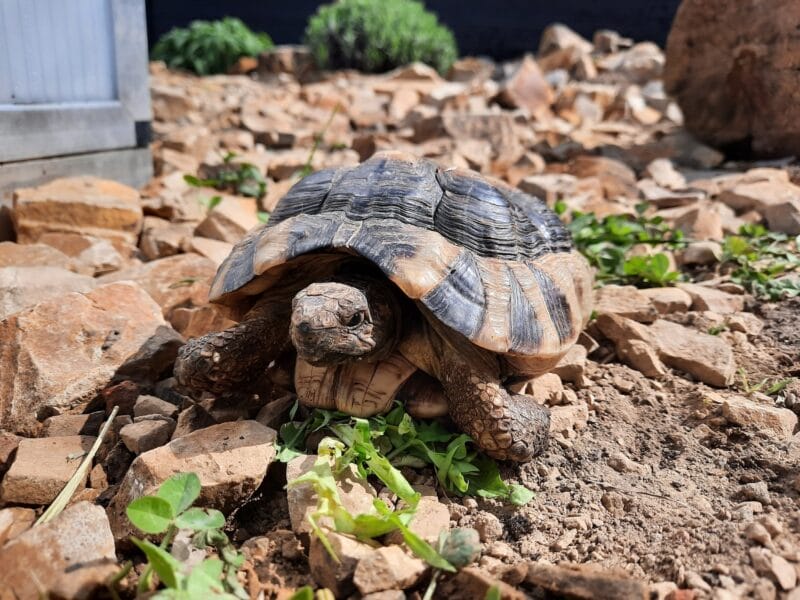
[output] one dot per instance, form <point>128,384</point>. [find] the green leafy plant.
<point>240,178</point>
<point>380,444</point>
<point>769,387</point>
<point>169,510</point>
<point>378,35</point>
<point>608,243</point>
<point>207,47</point>
<point>368,525</point>
<point>760,258</point>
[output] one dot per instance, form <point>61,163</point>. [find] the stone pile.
<point>101,285</point>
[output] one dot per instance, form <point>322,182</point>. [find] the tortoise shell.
<point>487,260</point>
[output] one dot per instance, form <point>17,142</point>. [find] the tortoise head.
<point>334,322</point>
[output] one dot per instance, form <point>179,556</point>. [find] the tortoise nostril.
<point>304,327</point>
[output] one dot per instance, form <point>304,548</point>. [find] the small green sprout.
<point>169,510</point>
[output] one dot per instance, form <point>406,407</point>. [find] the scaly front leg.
<point>229,360</point>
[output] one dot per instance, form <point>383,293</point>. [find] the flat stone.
<point>668,299</point>
<point>387,568</point>
<point>154,358</point>
<point>90,255</point>
<point>708,298</point>
<point>32,255</point>
<point>760,195</point>
<point>96,333</point>
<point>430,519</point>
<point>42,467</point>
<point>229,220</point>
<point>356,494</point>
<point>176,281</point>
<point>146,435</point>
<point>664,173</point>
<point>784,217</point>
<point>572,366</point>
<point>471,582</point>
<point>71,556</point>
<point>23,287</point>
<point>85,205</point>
<point>641,356</point>
<point>626,301</point>
<point>161,238</point>
<point>745,322</point>
<point>150,405</point>
<point>231,460</point>
<point>704,356</point>
<point>214,250</point>
<point>65,425</point>
<point>701,253</point>
<point>587,582</point>
<point>700,223</point>
<point>779,422</point>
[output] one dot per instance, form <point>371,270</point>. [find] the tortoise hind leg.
<point>226,361</point>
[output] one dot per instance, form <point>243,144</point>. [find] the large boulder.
<point>732,66</point>
<point>66,349</point>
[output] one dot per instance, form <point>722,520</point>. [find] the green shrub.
<point>378,35</point>
<point>207,47</point>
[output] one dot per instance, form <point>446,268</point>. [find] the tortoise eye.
<point>355,320</point>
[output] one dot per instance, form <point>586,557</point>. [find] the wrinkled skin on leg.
<point>229,360</point>
<point>506,426</point>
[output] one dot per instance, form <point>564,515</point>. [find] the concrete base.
<point>132,167</point>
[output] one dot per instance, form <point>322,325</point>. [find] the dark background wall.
<point>501,28</point>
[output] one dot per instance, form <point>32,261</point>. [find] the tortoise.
<point>397,279</point>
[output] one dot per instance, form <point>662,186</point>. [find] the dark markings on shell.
<point>310,233</point>
<point>382,242</point>
<point>525,327</point>
<point>387,189</point>
<point>557,304</point>
<point>237,270</point>
<point>492,221</point>
<point>459,299</point>
<point>305,197</point>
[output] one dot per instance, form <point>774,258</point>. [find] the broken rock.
<point>85,205</point>
<point>22,287</point>
<point>47,366</point>
<point>780,422</point>
<point>626,301</point>
<point>708,298</point>
<point>704,356</point>
<point>586,582</point>
<point>71,556</point>
<point>387,568</point>
<point>527,88</point>
<point>42,468</point>
<point>175,281</point>
<point>231,460</point>
<point>335,575</point>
